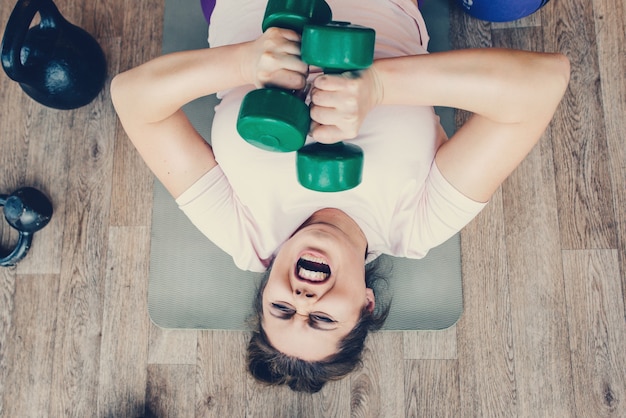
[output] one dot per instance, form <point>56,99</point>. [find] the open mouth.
<point>312,269</point>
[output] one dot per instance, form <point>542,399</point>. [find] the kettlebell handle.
<point>17,28</point>
<point>21,248</point>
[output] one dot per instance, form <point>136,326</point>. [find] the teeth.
<point>316,276</point>
<point>309,257</point>
<point>313,268</point>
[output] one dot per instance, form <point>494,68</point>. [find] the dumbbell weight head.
<point>295,14</point>
<point>274,120</point>
<point>329,167</point>
<point>338,46</point>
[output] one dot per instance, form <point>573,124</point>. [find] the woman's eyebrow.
<point>311,324</point>
<point>284,317</point>
<point>316,326</point>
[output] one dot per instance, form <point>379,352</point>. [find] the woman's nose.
<point>304,292</point>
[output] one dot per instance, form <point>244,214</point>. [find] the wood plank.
<point>538,307</point>
<point>432,388</point>
<point>581,155</point>
<point>25,128</point>
<point>125,324</point>
<point>221,374</point>
<point>172,346</point>
<point>102,18</point>
<point>270,401</point>
<point>430,345</point>
<point>378,388</point>
<point>132,180</point>
<point>533,20</point>
<point>83,255</point>
<point>16,125</point>
<point>331,401</point>
<point>468,32</point>
<point>72,10</point>
<point>48,161</point>
<point>610,29</point>
<point>597,331</point>
<point>541,352</point>
<point>170,391</point>
<point>7,308</point>
<point>26,364</point>
<point>485,341</point>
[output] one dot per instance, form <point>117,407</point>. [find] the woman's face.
<point>316,289</point>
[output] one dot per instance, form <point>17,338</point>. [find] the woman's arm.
<point>148,99</point>
<point>512,95</point>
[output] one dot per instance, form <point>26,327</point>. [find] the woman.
<point>317,302</point>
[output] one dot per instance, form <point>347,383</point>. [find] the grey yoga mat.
<point>193,284</point>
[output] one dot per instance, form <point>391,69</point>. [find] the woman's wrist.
<point>247,63</point>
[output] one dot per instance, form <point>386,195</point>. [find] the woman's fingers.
<point>327,134</point>
<point>286,79</point>
<point>341,100</point>
<point>278,60</point>
<point>330,125</point>
<point>343,81</point>
<point>335,107</point>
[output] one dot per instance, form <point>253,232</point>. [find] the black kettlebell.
<point>27,210</point>
<point>56,63</point>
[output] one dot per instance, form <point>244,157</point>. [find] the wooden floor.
<point>543,333</point>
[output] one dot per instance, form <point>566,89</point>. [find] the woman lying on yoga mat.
<point>418,189</point>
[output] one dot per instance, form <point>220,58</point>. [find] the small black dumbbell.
<point>26,210</point>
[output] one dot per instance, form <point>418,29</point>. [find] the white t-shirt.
<point>251,202</point>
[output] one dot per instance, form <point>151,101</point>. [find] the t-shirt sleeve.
<point>214,209</point>
<point>440,211</point>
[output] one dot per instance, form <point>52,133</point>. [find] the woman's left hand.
<point>339,104</point>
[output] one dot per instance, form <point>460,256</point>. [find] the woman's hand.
<point>339,104</point>
<point>274,60</point>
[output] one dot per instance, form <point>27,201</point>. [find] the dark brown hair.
<point>272,367</point>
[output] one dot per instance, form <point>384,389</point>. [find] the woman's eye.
<point>283,308</point>
<point>322,318</point>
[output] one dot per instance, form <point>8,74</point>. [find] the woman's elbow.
<point>561,72</point>
<point>555,79</point>
<point>117,90</point>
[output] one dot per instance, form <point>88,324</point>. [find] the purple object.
<point>207,9</point>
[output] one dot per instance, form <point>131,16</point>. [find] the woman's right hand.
<point>340,103</point>
<point>274,60</point>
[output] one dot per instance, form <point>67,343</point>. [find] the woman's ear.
<point>370,300</point>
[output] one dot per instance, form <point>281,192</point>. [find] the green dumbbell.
<point>272,118</point>
<point>337,47</point>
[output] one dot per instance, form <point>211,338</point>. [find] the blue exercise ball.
<point>501,10</point>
